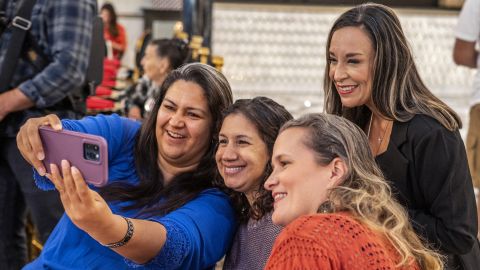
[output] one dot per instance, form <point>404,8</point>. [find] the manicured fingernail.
<point>57,126</point>
<point>75,170</point>
<point>41,171</point>
<point>40,155</point>
<point>64,163</point>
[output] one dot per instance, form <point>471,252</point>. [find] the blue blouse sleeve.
<point>198,234</point>
<point>119,132</point>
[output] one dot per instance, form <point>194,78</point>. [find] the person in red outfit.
<point>113,32</point>
<point>338,209</point>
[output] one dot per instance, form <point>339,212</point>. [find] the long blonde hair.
<point>398,92</point>
<point>364,192</point>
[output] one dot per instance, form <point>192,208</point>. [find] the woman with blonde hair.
<point>335,203</point>
<point>371,79</point>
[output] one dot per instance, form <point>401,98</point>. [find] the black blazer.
<point>427,168</point>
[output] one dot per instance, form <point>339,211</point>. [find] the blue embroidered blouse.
<point>198,233</point>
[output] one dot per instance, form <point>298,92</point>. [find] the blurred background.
<point>277,48</point>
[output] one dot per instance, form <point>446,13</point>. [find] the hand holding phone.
<point>89,153</point>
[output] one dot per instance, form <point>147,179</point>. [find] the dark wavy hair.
<point>175,50</point>
<point>112,24</point>
<point>268,117</point>
<point>185,186</point>
<point>398,91</point>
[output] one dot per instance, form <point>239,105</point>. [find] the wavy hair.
<point>364,192</point>
<point>398,92</point>
<point>185,186</point>
<point>268,117</point>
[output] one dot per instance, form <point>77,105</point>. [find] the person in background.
<point>245,146</point>
<point>160,209</point>
<point>335,203</point>
<point>464,53</point>
<point>42,84</point>
<point>114,33</point>
<point>161,57</point>
<point>371,79</point>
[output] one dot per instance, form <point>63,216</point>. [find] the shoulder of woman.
<point>215,192</point>
<point>422,126</point>
<point>423,122</point>
<point>213,196</point>
<point>120,27</point>
<point>310,225</point>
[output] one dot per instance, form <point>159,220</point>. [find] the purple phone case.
<point>68,145</point>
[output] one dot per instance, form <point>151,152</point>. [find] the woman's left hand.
<point>85,207</point>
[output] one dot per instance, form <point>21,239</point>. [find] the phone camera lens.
<point>91,152</point>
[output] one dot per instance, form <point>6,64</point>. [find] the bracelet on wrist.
<point>126,238</point>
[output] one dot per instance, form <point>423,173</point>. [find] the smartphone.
<point>89,153</point>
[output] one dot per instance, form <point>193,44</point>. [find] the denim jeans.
<point>19,194</point>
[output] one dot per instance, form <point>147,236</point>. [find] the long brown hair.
<point>398,92</point>
<point>112,23</point>
<point>185,186</point>
<point>364,193</point>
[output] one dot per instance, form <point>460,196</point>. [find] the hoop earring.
<point>326,207</point>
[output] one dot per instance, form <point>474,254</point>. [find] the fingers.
<point>33,134</point>
<point>57,180</point>
<point>27,153</point>
<point>29,142</point>
<point>68,182</point>
<point>54,122</point>
<point>81,187</point>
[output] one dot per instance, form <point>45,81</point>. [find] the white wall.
<point>131,17</point>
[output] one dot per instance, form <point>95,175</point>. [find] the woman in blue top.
<point>159,210</point>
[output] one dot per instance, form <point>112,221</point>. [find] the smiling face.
<point>183,128</point>
<point>242,155</point>
<point>299,184</point>
<point>351,58</point>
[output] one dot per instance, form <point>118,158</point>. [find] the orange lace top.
<point>332,241</point>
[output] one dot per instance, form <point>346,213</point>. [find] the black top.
<point>427,167</point>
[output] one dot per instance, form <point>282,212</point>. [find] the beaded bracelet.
<point>126,238</point>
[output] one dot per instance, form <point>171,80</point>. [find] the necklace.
<point>379,139</point>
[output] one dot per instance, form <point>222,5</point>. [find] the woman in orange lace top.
<point>338,207</point>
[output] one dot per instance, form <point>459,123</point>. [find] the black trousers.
<point>19,194</point>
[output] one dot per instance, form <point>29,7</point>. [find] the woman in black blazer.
<point>371,79</point>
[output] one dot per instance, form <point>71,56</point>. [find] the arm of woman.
<point>117,131</point>
<point>120,42</point>
<point>198,233</point>
<point>194,236</point>
<point>448,218</point>
<point>89,212</point>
